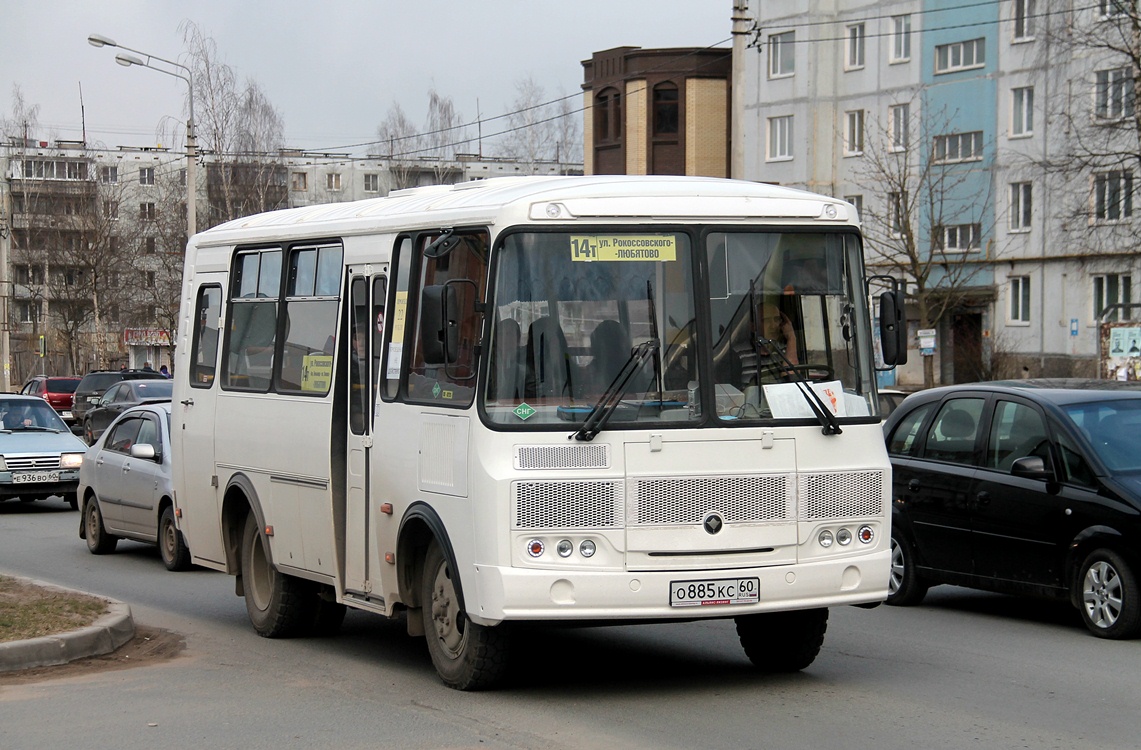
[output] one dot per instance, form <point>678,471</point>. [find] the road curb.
<point>103,636</point>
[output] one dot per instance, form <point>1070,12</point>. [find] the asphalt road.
<point>965,670</point>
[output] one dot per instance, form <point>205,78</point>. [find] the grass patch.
<point>29,611</point>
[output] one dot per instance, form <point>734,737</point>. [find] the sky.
<point>332,69</point>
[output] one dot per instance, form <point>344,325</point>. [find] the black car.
<point>1020,489</point>
<point>96,383</point>
<point>120,397</point>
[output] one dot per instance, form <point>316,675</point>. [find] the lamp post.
<point>126,60</point>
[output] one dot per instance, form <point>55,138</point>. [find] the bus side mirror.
<point>439,325</point>
<point>893,328</point>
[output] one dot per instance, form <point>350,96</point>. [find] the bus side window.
<point>204,348</point>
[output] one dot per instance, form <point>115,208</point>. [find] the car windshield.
<point>613,319</point>
<point>1114,430</point>
<point>28,414</point>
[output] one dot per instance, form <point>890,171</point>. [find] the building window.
<point>665,109</point>
<point>900,126</point>
<point>900,38</point>
<point>147,211</point>
<point>146,175</point>
<point>959,147</point>
<point>148,246</point>
<point>1019,299</point>
<point>299,182</point>
<point>333,181</point>
<point>1113,97</point>
<point>1112,289</point>
<point>781,58</point>
<point>1113,196</point>
<point>28,311</point>
<point>896,213</point>
<point>1023,20</point>
<point>109,175</point>
<point>372,183</point>
<point>961,238</point>
<point>858,202</point>
<point>608,116</point>
<point>1112,8</point>
<point>1022,111</point>
<point>150,279</point>
<point>855,47</point>
<point>1020,206</point>
<point>111,210</point>
<point>960,56</point>
<point>780,137</point>
<point>854,133</point>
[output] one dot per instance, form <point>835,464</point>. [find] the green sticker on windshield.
<point>523,411</point>
<point>620,247</point>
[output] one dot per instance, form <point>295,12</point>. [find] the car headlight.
<point>70,460</point>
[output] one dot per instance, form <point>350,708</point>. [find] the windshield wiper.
<point>607,405</point>
<point>828,423</point>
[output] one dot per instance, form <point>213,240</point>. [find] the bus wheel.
<point>783,641</point>
<point>98,540</point>
<point>175,553</point>
<point>467,656</point>
<point>275,602</point>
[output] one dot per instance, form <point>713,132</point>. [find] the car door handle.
<point>983,499</point>
<point>913,485</point>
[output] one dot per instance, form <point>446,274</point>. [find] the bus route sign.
<point>623,247</point>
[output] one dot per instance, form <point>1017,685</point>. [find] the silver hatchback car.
<point>125,486</point>
<point>39,457</point>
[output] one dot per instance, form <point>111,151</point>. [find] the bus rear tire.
<point>467,656</point>
<point>275,602</point>
<point>783,641</point>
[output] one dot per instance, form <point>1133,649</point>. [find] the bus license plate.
<point>712,592</point>
<point>30,477</point>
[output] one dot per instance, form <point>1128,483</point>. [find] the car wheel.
<point>175,553</point>
<point>276,602</point>
<point>905,587</point>
<point>88,433</point>
<point>98,540</point>
<point>1110,600</point>
<point>783,641</point>
<point>467,656</point>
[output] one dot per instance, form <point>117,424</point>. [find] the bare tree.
<point>541,131</point>
<point>401,143</point>
<point>927,222</point>
<point>445,136</point>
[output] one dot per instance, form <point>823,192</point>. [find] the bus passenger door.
<point>366,325</point>
<point>192,424</point>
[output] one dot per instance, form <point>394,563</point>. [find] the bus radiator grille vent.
<point>567,505</point>
<point>562,456</point>
<point>841,495</point>
<point>738,499</point>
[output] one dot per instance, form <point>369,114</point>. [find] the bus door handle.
<point>187,402</point>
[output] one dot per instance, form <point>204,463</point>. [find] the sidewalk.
<point>105,635</point>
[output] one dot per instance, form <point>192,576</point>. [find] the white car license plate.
<point>712,592</point>
<point>29,477</point>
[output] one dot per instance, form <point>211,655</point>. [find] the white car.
<point>125,487</point>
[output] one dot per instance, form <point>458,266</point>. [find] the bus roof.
<point>506,200</point>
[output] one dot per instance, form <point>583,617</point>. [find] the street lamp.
<point>97,40</point>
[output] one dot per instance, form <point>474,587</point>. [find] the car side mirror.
<point>1031,467</point>
<point>143,450</point>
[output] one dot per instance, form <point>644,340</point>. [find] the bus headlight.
<point>564,548</point>
<point>586,548</point>
<point>535,547</point>
<point>844,537</point>
<point>825,538</point>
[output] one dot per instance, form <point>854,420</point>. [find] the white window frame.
<point>900,115</point>
<point>782,59</point>
<point>895,213</point>
<point>955,148</point>
<point>1111,8</point>
<point>858,202</point>
<point>109,175</point>
<point>956,56</point>
<point>1022,111</point>
<point>299,182</point>
<point>1018,309</point>
<point>146,175</point>
<point>1024,17</point>
<point>900,38</point>
<point>856,46</point>
<point>854,133</point>
<point>1113,196</point>
<point>372,182</point>
<point>780,138</point>
<point>961,238</point>
<point>1113,94</point>
<point>1021,206</point>
<point>333,181</point>
<point>1122,293</point>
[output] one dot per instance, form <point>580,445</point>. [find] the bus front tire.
<point>467,656</point>
<point>783,641</point>
<point>275,602</point>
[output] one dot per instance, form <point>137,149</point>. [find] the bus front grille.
<point>655,501</point>
<point>849,494</point>
<point>585,504</point>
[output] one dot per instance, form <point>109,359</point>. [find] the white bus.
<point>588,399</point>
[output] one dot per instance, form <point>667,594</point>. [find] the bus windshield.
<point>579,312</point>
